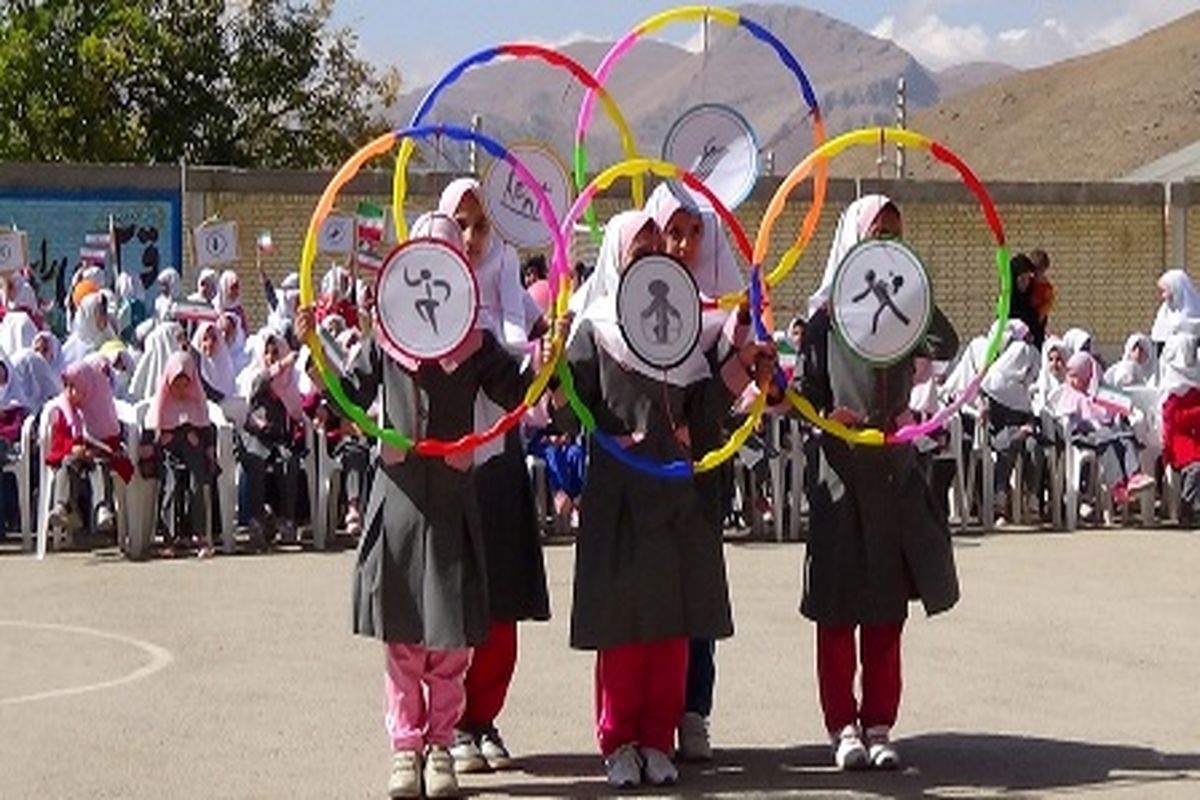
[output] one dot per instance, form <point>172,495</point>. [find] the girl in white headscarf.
<point>14,407</point>
<point>696,238</point>
<point>168,291</point>
<point>234,333</point>
<point>1078,340</point>
<point>131,305</point>
<point>1180,302</point>
<point>216,367</point>
<point>1138,365</point>
<point>649,571</point>
<point>1012,425</point>
<point>167,337</point>
<point>90,329</point>
<point>35,377</point>
<point>1052,374</point>
<point>206,287</point>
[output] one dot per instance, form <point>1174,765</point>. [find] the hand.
<point>562,325</point>
<point>845,416</point>
<point>754,354</point>
<point>79,450</point>
<point>305,322</point>
<point>904,419</point>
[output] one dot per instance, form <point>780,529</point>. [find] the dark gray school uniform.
<point>511,537</point>
<point>876,538</point>
<point>648,566</point>
<point>421,575</point>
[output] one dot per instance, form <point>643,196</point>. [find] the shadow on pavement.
<point>938,765</point>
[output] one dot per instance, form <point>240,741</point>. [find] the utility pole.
<point>901,122</point>
<point>472,146</point>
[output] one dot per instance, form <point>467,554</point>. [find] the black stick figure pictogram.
<point>883,291</point>
<point>661,310</point>
<point>427,306</point>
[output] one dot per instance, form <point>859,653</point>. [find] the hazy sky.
<point>423,37</point>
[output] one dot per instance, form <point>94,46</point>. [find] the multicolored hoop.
<point>819,157</point>
<point>673,470</point>
<point>517,50</point>
<point>731,18</point>
<point>558,278</point>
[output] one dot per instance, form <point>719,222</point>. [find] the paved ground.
<point>1072,666</point>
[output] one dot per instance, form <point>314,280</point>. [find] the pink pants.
<point>640,692</point>
<point>412,720</point>
<point>837,663</point>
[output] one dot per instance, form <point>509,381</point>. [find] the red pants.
<point>491,673</point>
<point>879,654</point>
<point>640,690</point>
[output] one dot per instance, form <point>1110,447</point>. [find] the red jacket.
<point>62,440</point>
<point>1181,429</point>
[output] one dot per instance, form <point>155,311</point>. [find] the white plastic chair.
<point>120,502</point>
<point>325,482</point>
<point>22,470</point>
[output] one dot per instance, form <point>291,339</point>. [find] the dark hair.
<point>536,263</point>
<point>1040,260</point>
<point>1020,265</point>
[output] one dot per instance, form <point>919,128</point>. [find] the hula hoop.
<point>680,469</point>
<point>516,50</point>
<point>726,16</point>
<point>558,272</point>
<point>821,156</point>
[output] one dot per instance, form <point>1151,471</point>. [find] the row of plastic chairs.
<point>136,503</point>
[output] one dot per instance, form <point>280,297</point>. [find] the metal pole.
<point>183,211</point>
<point>472,147</point>
<point>901,122</point>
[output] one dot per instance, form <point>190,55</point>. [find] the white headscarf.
<point>238,349</point>
<point>498,275</point>
<point>716,271</point>
<point>87,334</point>
<point>1180,366</point>
<point>1078,340</point>
<point>972,360</point>
<point>206,286</point>
<point>17,330</point>
<point>217,369</point>
<point>1010,379</point>
<point>33,378</point>
<point>1129,372</point>
<point>287,300</point>
<point>160,344</point>
<point>168,291</point>
<point>224,301</point>
<point>601,309</point>
<point>1182,303</point>
<point>853,226</point>
<point>1048,385</point>
<point>12,390</point>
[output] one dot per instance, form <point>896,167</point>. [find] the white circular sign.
<point>881,301</point>
<point>426,300</point>
<point>717,145</point>
<point>658,308</point>
<point>512,206</point>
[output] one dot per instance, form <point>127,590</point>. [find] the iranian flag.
<point>98,240</point>
<point>369,219</point>
<point>264,243</point>
<point>367,260</point>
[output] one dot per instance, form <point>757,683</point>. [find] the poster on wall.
<point>146,226</point>
<point>216,244</point>
<point>14,250</point>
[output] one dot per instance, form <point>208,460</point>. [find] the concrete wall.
<point>1108,242</point>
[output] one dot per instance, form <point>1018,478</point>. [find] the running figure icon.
<point>883,291</point>
<point>427,305</point>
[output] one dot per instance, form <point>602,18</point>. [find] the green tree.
<point>249,83</point>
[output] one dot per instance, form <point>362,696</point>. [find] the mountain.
<point>965,77</point>
<point>1095,117</point>
<point>855,75</point>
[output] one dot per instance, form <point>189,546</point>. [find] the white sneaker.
<point>491,747</point>
<point>440,779</point>
<point>657,768</point>
<point>405,780</point>
<point>106,520</point>
<point>694,744</point>
<point>466,753</point>
<point>882,753</point>
<point>624,768</point>
<point>849,753</point>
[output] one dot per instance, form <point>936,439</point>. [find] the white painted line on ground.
<point>160,658</point>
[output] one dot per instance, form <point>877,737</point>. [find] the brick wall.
<point>1108,242</point>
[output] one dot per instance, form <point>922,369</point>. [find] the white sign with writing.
<point>513,207</point>
<point>14,250</point>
